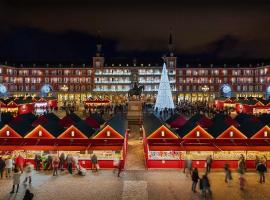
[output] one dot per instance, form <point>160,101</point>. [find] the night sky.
<point>62,30</point>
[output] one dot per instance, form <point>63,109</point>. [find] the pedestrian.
<point>116,163</point>
<point>195,178</point>
<point>62,161</point>
<point>209,161</point>
<point>261,169</point>
<point>256,162</point>
<point>2,166</point>
<point>189,167</point>
<point>242,165</point>
<point>242,181</point>
<point>55,165</point>
<point>19,162</point>
<point>94,162</point>
<point>28,195</point>
<point>120,167</point>
<point>16,180</point>
<point>28,173</point>
<point>228,173</point>
<point>69,163</point>
<point>37,162</point>
<point>205,185</point>
<point>9,164</point>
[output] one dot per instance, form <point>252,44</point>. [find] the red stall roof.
<point>232,133</point>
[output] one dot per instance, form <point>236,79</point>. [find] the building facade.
<point>114,78</point>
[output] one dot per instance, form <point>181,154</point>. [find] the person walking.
<point>2,166</point>
<point>19,162</point>
<point>195,178</point>
<point>205,185</point>
<point>28,195</point>
<point>16,180</point>
<point>69,163</point>
<point>28,173</point>
<point>261,169</point>
<point>62,161</point>
<point>9,164</point>
<point>94,162</point>
<point>37,162</point>
<point>120,167</point>
<point>228,173</point>
<point>242,165</point>
<point>242,181</point>
<point>209,161</point>
<point>55,165</point>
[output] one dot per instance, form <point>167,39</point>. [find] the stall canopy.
<point>218,128</point>
<point>265,118</point>
<point>178,122</point>
<point>263,133</point>
<point>21,127</point>
<point>113,129</point>
<point>92,122</point>
<point>224,118</point>
<point>69,120</point>
<point>193,131</point>
<point>172,118</point>
<point>200,119</point>
<point>231,133</point>
<point>46,118</point>
<point>6,117</point>
<point>78,131</point>
<point>250,129</point>
<point>41,132</point>
<point>98,118</point>
<point>29,117</point>
<point>154,128</point>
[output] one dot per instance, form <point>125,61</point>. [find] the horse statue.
<point>136,90</point>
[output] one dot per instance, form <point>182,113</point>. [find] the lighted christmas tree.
<point>164,97</point>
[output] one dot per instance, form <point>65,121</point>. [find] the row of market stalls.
<point>222,137</point>
<point>49,135</point>
<point>94,102</point>
<point>250,105</point>
<point>27,104</point>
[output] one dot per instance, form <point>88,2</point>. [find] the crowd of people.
<point>260,164</point>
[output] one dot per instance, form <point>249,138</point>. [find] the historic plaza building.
<point>114,77</point>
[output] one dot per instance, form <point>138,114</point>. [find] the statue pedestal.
<point>134,114</point>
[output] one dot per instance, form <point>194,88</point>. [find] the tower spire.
<point>99,44</point>
<point>170,44</point>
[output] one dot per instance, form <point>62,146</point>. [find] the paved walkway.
<point>134,184</point>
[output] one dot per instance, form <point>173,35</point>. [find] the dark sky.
<point>67,30</point>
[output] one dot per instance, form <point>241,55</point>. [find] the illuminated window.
<point>108,133</point>
<point>198,133</point>
<point>72,133</point>
<point>231,133</point>
<point>265,133</point>
<point>8,133</point>
<point>162,133</point>
<point>39,133</point>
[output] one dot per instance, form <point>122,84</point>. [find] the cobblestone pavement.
<point>136,184</point>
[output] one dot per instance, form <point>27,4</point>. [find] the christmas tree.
<point>164,97</point>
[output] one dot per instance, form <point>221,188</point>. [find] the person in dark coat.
<point>195,178</point>
<point>28,195</point>
<point>205,185</point>
<point>261,169</point>
<point>2,166</point>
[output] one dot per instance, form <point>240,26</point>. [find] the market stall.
<point>78,140</point>
<point>97,102</point>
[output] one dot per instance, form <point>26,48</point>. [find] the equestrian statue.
<point>136,90</point>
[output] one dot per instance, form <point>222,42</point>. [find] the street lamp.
<point>205,88</point>
<point>64,88</point>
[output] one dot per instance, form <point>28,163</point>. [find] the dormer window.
<point>39,133</point>
<point>8,133</point>
<point>265,133</point>
<point>231,133</point>
<point>162,133</point>
<point>198,133</point>
<point>108,133</point>
<point>72,134</point>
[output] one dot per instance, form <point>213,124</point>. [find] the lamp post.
<point>205,89</point>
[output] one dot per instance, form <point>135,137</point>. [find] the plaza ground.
<point>134,185</point>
